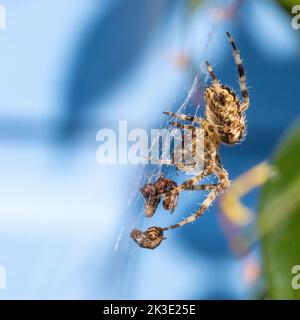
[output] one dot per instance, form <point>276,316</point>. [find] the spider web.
<point>123,263</point>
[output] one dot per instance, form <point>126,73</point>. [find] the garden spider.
<point>224,122</point>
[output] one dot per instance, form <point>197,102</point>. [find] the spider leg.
<point>222,185</point>
<point>183,117</point>
<point>201,187</point>
<point>189,183</point>
<point>191,146</point>
<point>194,143</point>
<point>194,134</point>
<point>160,161</point>
<point>242,76</point>
<point>168,162</point>
<point>181,153</point>
<point>182,126</point>
<point>211,71</point>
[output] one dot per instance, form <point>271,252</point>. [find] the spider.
<point>224,122</point>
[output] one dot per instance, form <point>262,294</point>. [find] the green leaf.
<point>279,218</point>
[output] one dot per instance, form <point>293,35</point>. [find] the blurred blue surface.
<point>71,68</point>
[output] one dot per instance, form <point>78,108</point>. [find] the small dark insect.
<point>154,192</point>
<point>224,123</point>
<point>151,197</point>
<point>149,239</point>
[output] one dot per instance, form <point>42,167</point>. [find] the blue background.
<point>69,68</point>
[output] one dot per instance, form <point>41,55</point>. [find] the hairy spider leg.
<point>200,187</point>
<point>222,185</point>
<point>183,116</point>
<point>211,72</point>
<point>242,76</point>
<point>159,161</point>
<point>191,182</point>
<point>182,126</point>
<point>194,135</point>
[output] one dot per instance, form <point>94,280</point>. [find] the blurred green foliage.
<point>288,4</point>
<point>279,219</point>
<point>194,4</point>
